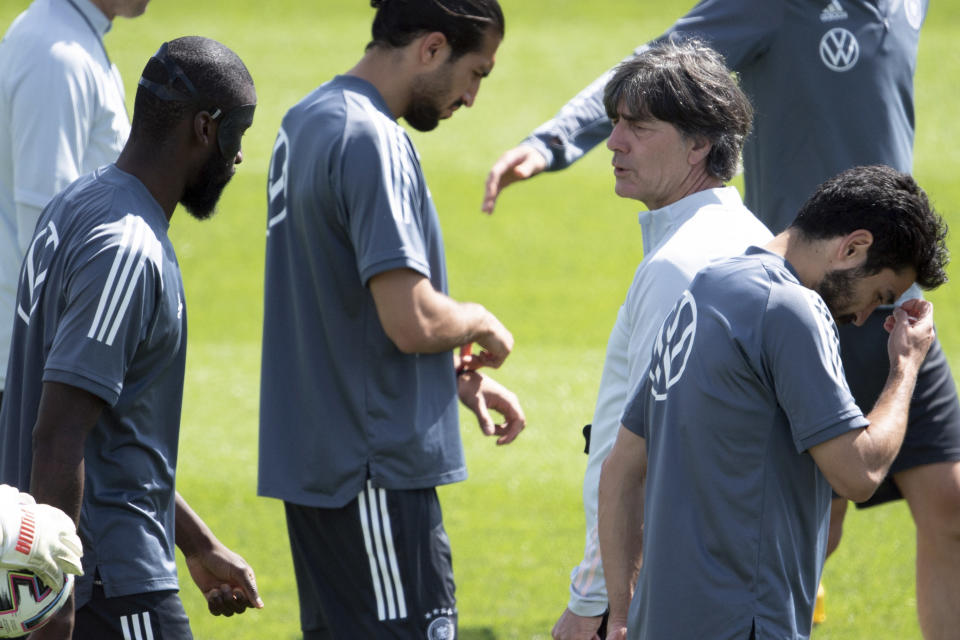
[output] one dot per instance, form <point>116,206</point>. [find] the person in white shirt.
<point>62,114</point>
<point>674,155</point>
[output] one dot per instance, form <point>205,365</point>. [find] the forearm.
<point>856,462</point>
<point>880,442</point>
<point>620,530</point>
<point>65,417</point>
<point>192,534</point>
<point>419,319</point>
<point>446,324</point>
<point>57,480</point>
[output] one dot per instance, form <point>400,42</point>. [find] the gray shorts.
<point>379,567</point>
<point>933,430</point>
<point>158,615</point>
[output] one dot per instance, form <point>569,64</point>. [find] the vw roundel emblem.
<point>673,346</point>
<point>839,49</point>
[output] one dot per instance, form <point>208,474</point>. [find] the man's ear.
<point>204,128</point>
<point>699,151</point>
<point>433,48</point>
<point>852,250</point>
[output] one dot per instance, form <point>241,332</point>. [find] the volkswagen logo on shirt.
<point>839,49</point>
<point>673,346</point>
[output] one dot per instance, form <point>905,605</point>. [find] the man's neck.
<point>386,70</point>
<point>161,178</point>
<point>809,258</point>
<point>105,8</point>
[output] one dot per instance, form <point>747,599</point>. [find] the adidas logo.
<point>833,12</point>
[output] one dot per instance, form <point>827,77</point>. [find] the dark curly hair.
<point>907,232</point>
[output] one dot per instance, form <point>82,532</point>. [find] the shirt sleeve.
<point>801,352</point>
<point>50,110</point>
<point>382,198</point>
<point>108,301</point>
<point>739,29</point>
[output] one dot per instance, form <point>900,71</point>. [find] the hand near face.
<point>911,333</point>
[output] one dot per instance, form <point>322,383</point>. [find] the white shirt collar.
<point>659,225</point>
<point>101,24</point>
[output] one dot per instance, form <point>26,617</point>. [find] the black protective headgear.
<point>233,122</point>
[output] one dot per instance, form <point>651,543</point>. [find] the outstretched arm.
<point>579,126</point>
<point>224,578</point>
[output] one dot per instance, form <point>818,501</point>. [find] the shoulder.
<point>107,215</point>
<point>794,303</point>
<point>744,278</point>
<point>49,41</point>
<point>364,123</point>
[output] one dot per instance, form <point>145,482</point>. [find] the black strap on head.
<point>168,90</point>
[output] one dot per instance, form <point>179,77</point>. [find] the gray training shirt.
<point>745,377</point>
<point>831,82</point>
<point>338,401</point>
<point>100,307</point>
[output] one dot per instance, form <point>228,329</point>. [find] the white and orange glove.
<point>37,537</point>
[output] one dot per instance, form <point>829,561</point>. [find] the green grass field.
<point>553,263</point>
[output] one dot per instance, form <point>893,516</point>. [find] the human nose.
<point>615,141</point>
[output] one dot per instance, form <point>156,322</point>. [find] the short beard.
<point>423,112</point>
<point>200,199</point>
<point>422,115</point>
<point>836,289</point>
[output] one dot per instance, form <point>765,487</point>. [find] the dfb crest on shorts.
<point>441,629</point>
<point>673,346</point>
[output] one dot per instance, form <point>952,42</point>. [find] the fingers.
<point>57,539</point>
<point>497,344</point>
<point>49,575</point>
<point>224,601</point>
<point>917,308</point>
<point>228,600</point>
<point>239,594</point>
<point>248,584</point>
<point>486,423</point>
<point>516,164</point>
<point>506,403</point>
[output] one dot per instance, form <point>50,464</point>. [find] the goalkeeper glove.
<point>38,537</point>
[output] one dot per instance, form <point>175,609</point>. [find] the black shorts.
<point>378,567</point>
<point>933,429</point>
<point>157,615</point>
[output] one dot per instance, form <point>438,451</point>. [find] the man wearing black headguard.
<point>92,417</point>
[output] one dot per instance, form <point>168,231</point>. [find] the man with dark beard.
<point>722,470</point>
<point>358,401</point>
<point>95,379</point>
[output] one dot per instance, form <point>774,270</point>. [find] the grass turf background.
<point>553,263</point>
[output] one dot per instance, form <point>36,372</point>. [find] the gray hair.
<point>687,84</point>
